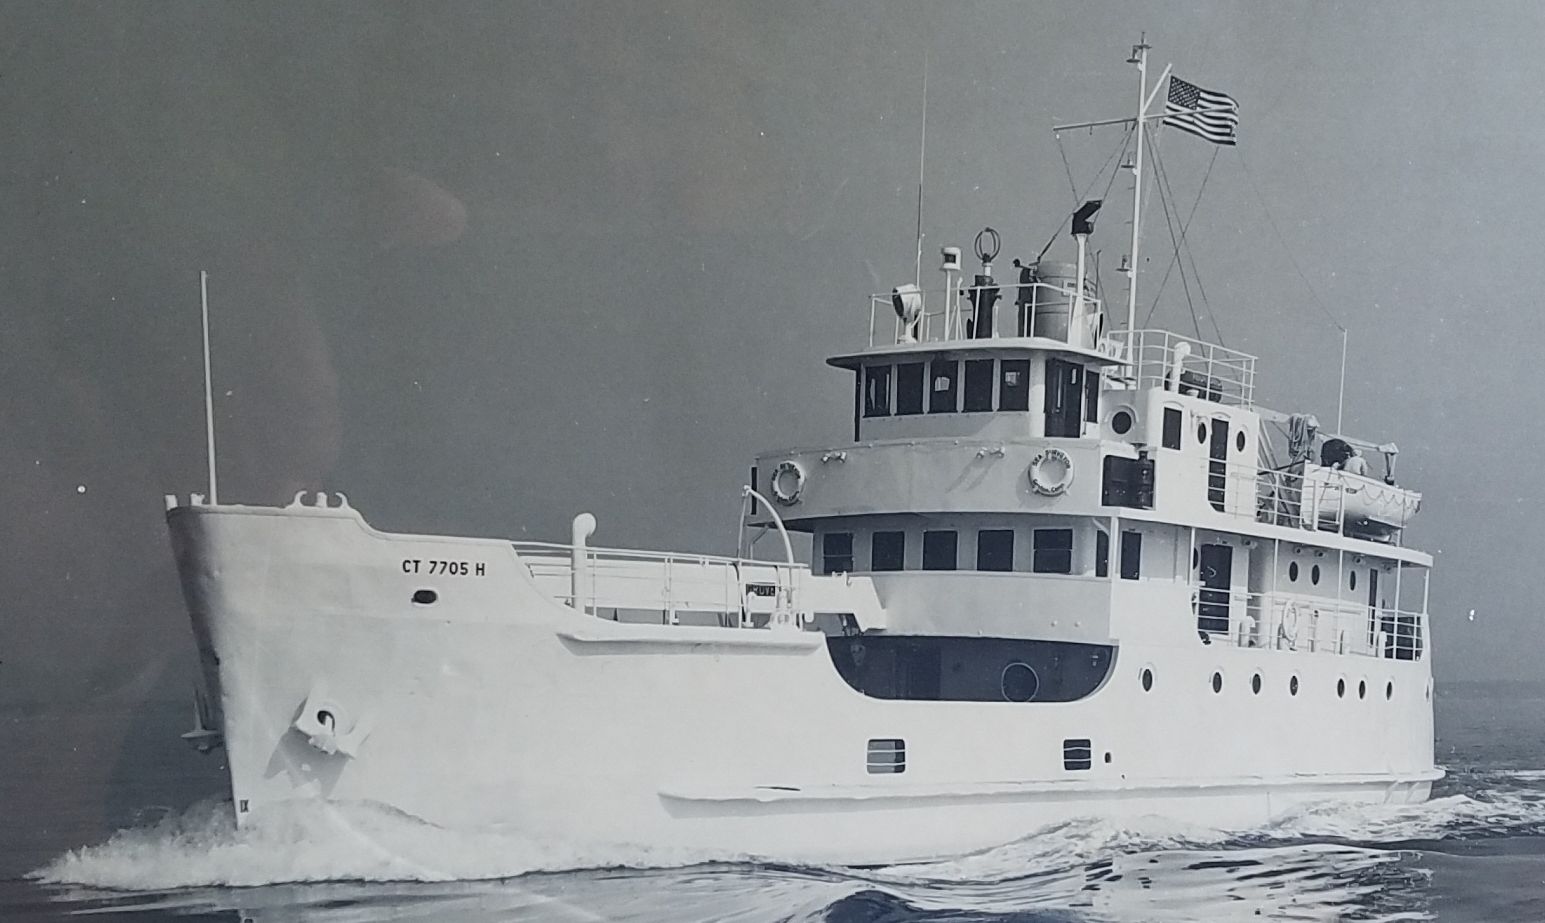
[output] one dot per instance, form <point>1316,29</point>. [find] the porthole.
<point>1019,682</point>
<point>1217,682</point>
<point>1352,580</point>
<point>1239,442</point>
<point>1362,689</point>
<point>1293,571</point>
<point>1314,575</point>
<point>1255,684</point>
<point>1389,690</point>
<point>1201,431</point>
<point>1293,686</point>
<point>1147,680</point>
<point>1107,756</point>
<point>1341,688</point>
<point>425,597</point>
<point>1121,422</point>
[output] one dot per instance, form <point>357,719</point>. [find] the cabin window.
<point>939,549</point>
<point>837,553</point>
<point>888,551</point>
<point>1053,551</point>
<point>1172,422</point>
<point>1092,396</point>
<point>1101,554</point>
<point>1131,555</point>
<point>909,388</point>
<point>995,549</point>
<point>877,391</point>
<point>978,391</point>
<point>1014,384</point>
<point>943,375</point>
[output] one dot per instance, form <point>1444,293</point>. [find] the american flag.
<point>1218,116</point>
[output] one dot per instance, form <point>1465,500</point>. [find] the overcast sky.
<point>482,266</point>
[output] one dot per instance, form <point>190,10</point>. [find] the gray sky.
<point>482,266</point>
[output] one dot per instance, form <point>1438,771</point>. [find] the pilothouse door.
<point>1216,578</point>
<point>1064,399</point>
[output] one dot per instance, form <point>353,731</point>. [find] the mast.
<point>1140,58</point>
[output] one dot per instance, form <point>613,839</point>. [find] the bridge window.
<point>1091,395</point>
<point>877,391</point>
<point>1014,384</point>
<point>837,553</point>
<point>1131,555</point>
<point>1172,421</point>
<point>943,388</point>
<point>909,388</point>
<point>1101,553</point>
<point>1053,551</point>
<point>978,392</point>
<point>995,549</point>
<point>888,551</point>
<point>939,549</point>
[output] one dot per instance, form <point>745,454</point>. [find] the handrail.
<point>1167,360</point>
<point>1282,620</point>
<point>945,317</point>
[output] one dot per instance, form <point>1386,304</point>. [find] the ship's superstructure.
<point>1057,572</point>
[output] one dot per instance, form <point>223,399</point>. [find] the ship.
<point>1059,570</point>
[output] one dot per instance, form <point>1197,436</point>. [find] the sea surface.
<point>139,831</point>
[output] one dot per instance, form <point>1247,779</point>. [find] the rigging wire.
<point>1078,199</point>
<point>1188,253</point>
<point>1068,168</point>
<point>1175,257</point>
<point>1164,200</point>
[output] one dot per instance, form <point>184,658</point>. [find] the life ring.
<point>788,481</point>
<point>1051,472</point>
<point>1288,626</point>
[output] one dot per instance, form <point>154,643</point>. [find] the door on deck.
<point>1217,466</point>
<point>1064,399</point>
<point>1217,577</point>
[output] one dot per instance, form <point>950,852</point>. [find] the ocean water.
<point>146,836</point>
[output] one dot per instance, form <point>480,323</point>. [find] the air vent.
<point>889,755</point>
<point>1077,753</point>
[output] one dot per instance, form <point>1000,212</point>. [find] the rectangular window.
<point>1171,428</point>
<point>1101,553</point>
<point>877,391</point>
<point>888,551</point>
<point>995,549</point>
<point>978,396</point>
<point>1131,555</point>
<point>943,386</point>
<point>939,550</point>
<point>887,755</point>
<point>1053,551</point>
<point>1014,384</point>
<point>909,388</point>
<point>1092,396</point>
<point>837,553</point>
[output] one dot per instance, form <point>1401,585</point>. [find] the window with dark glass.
<point>943,386</point>
<point>909,388</point>
<point>877,391</point>
<point>939,550</point>
<point>1014,384</point>
<point>1053,551</point>
<point>1172,421</point>
<point>1131,555</point>
<point>978,391</point>
<point>888,551</point>
<point>837,553</point>
<point>1092,396</point>
<point>995,549</point>
<point>1101,554</point>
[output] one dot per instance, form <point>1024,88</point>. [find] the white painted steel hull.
<point>498,707</point>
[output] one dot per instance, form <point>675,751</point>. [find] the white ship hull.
<point>498,706</point>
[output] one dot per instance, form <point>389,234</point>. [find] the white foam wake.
<point>318,841</point>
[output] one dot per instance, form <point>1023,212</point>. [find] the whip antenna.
<point>209,401</point>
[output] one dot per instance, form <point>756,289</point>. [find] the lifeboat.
<point>1356,504</point>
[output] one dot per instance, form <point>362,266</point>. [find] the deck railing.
<point>1164,359</point>
<point>623,583</point>
<point>1285,497</point>
<point>1301,622</point>
<point>1021,310</point>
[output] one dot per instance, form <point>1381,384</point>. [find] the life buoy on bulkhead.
<point>1287,628</point>
<point>1051,472</point>
<point>788,482</point>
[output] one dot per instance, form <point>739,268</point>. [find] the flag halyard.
<point>1204,113</point>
